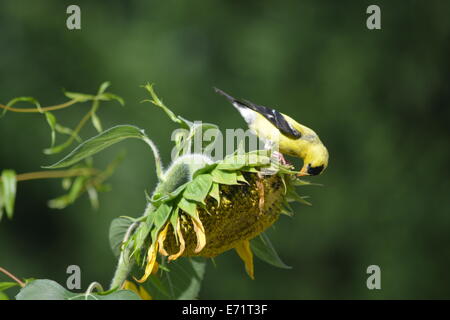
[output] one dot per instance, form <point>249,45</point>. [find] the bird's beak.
<point>303,173</point>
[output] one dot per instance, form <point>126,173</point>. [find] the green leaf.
<point>157,220</point>
<point>263,249</point>
<point>256,158</point>
<point>6,285</point>
<point>3,296</point>
<point>215,192</point>
<point>234,162</point>
<point>139,237</point>
<point>80,97</point>
<point>161,215</point>
<point>174,221</point>
<point>67,131</point>
<point>158,198</point>
<point>98,143</point>
<point>51,120</point>
<point>142,231</point>
<point>292,196</point>
<point>299,182</point>
<point>117,231</point>
<point>260,153</point>
<point>58,148</point>
<point>287,209</point>
<point>158,287</point>
<point>43,289</point>
<point>224,177</point>
<point>103,87</point>
<point>182,282</point>
<point>96,122</point>
<point>206,169</point>
<point>93,197</point>
<point>8,191</point>
<point>240,177</point>
<point>189,207</point>
<point>198,189</point>
<point>110,96</point>
<point>304,201</point>
<point>75,191</point>
<point>250,169</point>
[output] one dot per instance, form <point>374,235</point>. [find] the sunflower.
<point>223,206</point>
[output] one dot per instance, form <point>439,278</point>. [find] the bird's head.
<point>315,161</point>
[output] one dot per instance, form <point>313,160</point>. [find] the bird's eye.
<point>314,171</point>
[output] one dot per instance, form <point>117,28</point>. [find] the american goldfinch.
<point>279,130</point>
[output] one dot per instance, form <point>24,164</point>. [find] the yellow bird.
<point>279,130</point>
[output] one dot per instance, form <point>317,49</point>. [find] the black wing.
<point>272,115</point>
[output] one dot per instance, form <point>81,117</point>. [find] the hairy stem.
<point>158,162</point>
<point>124,265</point>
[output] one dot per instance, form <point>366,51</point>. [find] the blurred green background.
<point>378,99</point>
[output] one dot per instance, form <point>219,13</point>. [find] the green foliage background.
<point>378,99</point>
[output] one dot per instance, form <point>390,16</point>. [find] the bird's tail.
<point>226,95</point>
<point>246,112</point>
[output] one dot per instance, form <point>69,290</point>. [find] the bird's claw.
<point>279,156</point>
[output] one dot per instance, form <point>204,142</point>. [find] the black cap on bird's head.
<point>309,170</point>
<point>314,171</point>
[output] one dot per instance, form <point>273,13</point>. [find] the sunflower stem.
<point>124,265</point>
<point>158,162</point>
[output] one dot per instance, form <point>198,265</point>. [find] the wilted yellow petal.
<point>260,186</point>
<point>128,285</point>
<point>144,294</point>
<point>155,267</point>
<point>141,292</point>
<point>182,243</point>
<point>245,253</point>
<point>200,233</point>
<point>151,259</point>
<point>161,238</point>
